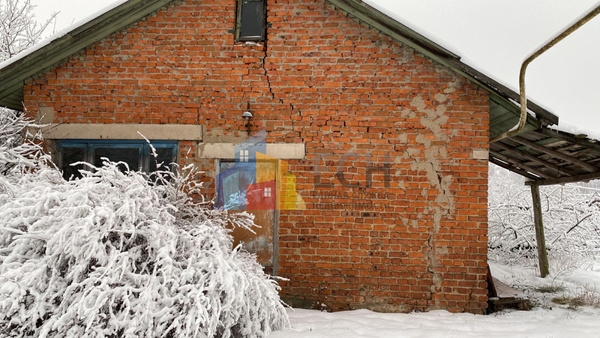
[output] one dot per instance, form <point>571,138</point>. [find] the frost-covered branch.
<point>18,28</point>
<point>117,254</point>
<point>571,216</point>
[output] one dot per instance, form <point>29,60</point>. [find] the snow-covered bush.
<point>17,153</point>
<point>114,255</point>
<point>571,216</point>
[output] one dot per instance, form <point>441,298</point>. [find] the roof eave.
<point>16,74</point>
<point>380,21</point>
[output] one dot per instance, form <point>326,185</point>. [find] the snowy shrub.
<point>114,255</point>
<point>17,153</point>
<point>571,216</point>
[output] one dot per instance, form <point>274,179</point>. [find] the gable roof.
<point>538,153</point>
<point>15,72</point>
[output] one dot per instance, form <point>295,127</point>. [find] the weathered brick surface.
<point>396,214</point>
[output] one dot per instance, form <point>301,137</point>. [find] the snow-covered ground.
<point>546,319</point>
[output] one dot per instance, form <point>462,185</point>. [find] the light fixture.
<point>247,115</point>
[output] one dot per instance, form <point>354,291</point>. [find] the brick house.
<point>373,139</point>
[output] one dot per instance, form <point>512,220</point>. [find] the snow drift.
<point>117,255</point>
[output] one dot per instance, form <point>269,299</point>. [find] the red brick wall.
<point>367,108</point>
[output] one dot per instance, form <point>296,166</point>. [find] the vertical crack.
<point>266,72</point>
<point>263,60</point>
<point>430,255</point>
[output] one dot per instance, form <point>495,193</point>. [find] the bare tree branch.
<point>19,29</point>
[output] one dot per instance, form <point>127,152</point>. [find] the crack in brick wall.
<point>396,208</point>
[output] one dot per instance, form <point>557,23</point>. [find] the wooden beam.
<point>539,231</point>
<point>520,165</point>
<point>570,179</point>
<point>555,153</point>
<point>570,138</point>
<point>513,169</point>
<point>531,157</point>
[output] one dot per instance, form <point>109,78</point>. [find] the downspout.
<point>523,98</point>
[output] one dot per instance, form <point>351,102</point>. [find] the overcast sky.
<point>494,36</point>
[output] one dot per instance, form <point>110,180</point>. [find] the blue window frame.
<point>135,155</point>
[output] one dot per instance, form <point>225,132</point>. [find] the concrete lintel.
<point>226,151</point>
<point>481,154</point>
<point>122,131</point>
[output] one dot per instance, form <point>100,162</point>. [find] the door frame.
<point>276,162</point>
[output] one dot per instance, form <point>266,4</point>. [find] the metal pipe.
<point>523,98</point>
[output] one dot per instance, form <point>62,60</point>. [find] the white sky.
<point>493,36</point>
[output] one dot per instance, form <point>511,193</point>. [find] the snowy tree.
<point>18,31</point>
<point>121,254</point>
<point>571,215</point>
<point>19,149</point>
<point>18,28</point>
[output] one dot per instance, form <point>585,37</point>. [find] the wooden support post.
<point>539,230</point>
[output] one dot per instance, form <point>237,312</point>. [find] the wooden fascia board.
<point>567,179</point>
<point>14,100</point>
<point>511,109</point>
<point>16,74</point>
<point>127,13</point>
<point>512,168</point>
<point>504,92</point>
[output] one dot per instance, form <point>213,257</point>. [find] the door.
<point>252,187</point>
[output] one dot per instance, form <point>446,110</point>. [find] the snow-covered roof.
<point>577,131</point>
<point>48,53</point>
<point>504,108</point>
<point>59,34</point>
<point>119,14</point>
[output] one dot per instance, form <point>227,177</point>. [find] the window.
<point>244,155</point>
<point>251,20</point>
<point>136,154</point>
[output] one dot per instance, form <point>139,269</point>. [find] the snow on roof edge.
<point>577,131</point>
<point>59,34</point>
<point>427,34</point>
<point>447,45</point>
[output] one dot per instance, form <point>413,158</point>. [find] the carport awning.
<point>548,156</point>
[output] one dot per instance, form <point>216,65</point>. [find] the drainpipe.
<point>523,98</point>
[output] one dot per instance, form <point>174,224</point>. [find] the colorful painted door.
<point>252,187</point>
